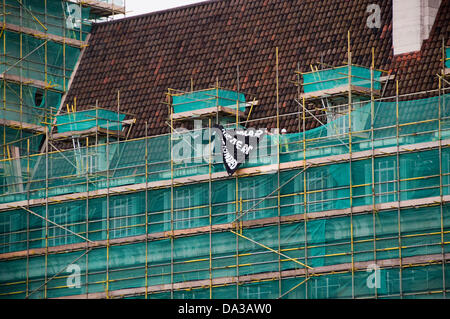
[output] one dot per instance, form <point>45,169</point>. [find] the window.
<point>38,97</point>
<point>5,229</point>
<point>317,183</point>
<point>392,281</point>
<point>183,198</point>
<point>337,117</point>
<point>255,292</point>
<point>322,287</point>
<point>119,220</point>
<point>385,184</point>
<point>57,236</point>
<point>247,192</point>
<point>89,163</point>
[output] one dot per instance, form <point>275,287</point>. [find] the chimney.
<point>412,23</point>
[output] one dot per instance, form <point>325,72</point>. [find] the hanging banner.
<point>237,144</point>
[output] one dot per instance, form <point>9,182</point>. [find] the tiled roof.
<point>143,56</point>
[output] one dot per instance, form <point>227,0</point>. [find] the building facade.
<point>119,199</point>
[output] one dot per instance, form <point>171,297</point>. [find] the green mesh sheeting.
<point>447,57</point>
<point>60,59</point>
<point>35,107</point>
<point>418,122</point>
<point>59,17</point>
<point>416,282</point>
<point>85,120</point>
<point>326,241</point>
<point>41,63</point>
<point>339,77</point>
<point>321,242</point>
<point>207,99</point>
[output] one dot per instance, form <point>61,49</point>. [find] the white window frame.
<point>386,184</point>
<point>316,200</point>
<point>119,217</point>
<point>183,202</point>
<point>338,115</point>
<point>90,159</point>
<point>327,286</point>
<point>297,202</point>
<point>248,194</point>
<point>58,236</point>
<point>255,295</point>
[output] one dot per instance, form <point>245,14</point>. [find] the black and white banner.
<point>237,144</point>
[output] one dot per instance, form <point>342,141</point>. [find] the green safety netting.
<point>327,242</point>
<point>339,77</point>
<point>62,18</point>
<point>123,163</point>
<point>84,120</point>
<point>413,175</point>
<point>25,56</point>
<point>28,104</point>
<point>207,99</point>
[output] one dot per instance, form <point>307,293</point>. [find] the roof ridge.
<point>202,2</point>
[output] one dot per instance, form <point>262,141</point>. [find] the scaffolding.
<point>310,216</point>
<point>41,44</point>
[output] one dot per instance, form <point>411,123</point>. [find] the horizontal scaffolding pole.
<point>408,262</point>
<point>424,202</point>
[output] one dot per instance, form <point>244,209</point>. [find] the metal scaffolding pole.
<point>441,191</point>
<point>278,170</point>
<point>349,56</point>
<point>210,210</point>
<point>372,161</point>
<point>87,215</point>
<point>169,97</point>
<point>398,187</point>
<point>146,210</point>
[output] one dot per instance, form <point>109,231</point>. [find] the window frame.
<point>183,210</point>
<point>56,235</point>
<point>316,199</point>
<point>385,195</point>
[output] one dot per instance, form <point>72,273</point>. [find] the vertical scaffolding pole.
<point>28,222</point>
<point>278,171</point>
<point>298,97</point>
<point>21,74</point>
<point>146,210</point>
<point>238,198</point>
<point>372,141</point>
<point>118,121</point>
<point>46,212</point>
<point>64,46</point>
<point>305,200</point>
<point>46,147</point>
<point>87,217</point>
<point>210,208</point>
<point>4,80</point>
<point>171,195</point>
<point>349,56</point>
<point>441,190</point>
<point>107,211</point>
<point>397,125</point>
